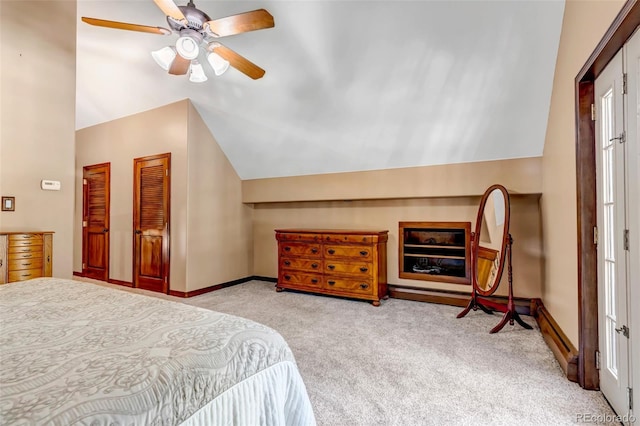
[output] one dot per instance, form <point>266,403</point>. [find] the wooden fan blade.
<point>179,66</point>
<point>240,63</point>
<point>240,23</point>
<point>126,26</point>
<point>170,9</point>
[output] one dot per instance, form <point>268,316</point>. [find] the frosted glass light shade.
<point>196,73</point>
<point>218,63</point>
<point>164,57</point>
<point>187,47</point>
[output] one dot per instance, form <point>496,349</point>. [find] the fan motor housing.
<point>195,19</point>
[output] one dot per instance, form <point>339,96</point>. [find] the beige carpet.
<point>412,363</point>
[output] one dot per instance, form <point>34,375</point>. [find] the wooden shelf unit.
<point>435,251</point>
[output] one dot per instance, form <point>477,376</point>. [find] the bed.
<point>76,353</point>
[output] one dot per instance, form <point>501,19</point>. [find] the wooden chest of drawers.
<point>25,255</point>
<point>338,262</point>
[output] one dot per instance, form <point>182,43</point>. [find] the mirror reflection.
<point>490,239</point>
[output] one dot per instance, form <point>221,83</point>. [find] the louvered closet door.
<point>151,222</point>
<point>95,221</point>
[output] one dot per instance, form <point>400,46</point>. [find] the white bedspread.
<point>79,353</point>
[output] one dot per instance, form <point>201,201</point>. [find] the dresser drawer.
<point>348,238</point>
<point>355,252</point>
<point>299,237</point>
<point>301,264</point>
<point>19,240</point>
<point>26,274</point>
<point>300,279</point>
<point>21,264</point>
<point>25,255</point>
<point>33,250</point>
<point>363,286</point>
<point>300,249</point>
<point>352,268</point>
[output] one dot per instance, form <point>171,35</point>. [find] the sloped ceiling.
<point>350,85</point>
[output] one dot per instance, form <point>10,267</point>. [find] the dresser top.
<point>25,232</point>
<point>332,231</point>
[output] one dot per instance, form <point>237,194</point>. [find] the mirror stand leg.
<point>510,314</point>
<point>470,305</point>
<point>516,316</point>
<point>474,304</point>
<point>484,308</point>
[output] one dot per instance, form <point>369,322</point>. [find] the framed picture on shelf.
<point>8,204</point>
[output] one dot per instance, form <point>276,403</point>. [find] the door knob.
<point>138,231</point>
<point>105,230</point>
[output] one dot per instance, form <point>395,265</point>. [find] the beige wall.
<point>219,247</point>
<point>522,176</point>
<point>424,202</point>
<point>210,226</point>
<point>37,116</point>
<point>118,142</point>
<point>584,24</point>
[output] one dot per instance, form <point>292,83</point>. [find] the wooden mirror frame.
<point>486,305</point>
<point>475,245</point>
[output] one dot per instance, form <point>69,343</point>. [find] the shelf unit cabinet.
<point>435,251</point>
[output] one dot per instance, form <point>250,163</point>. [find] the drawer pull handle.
<point>363,269</point>
<point>26,251</point>
<point>314,265</point>
<point>314,250</point>
<point>27,264</point>
<point>26,256</point>
<point>331,282</point>
<point>331,251</point>
<point>364,252</point>
<point>287,248</point>
<point>332,267</point>
<point>287,277</point>
<point>314,280</point>
<point>364,286</point>
<point>286,262</point>
<point>25,275</point>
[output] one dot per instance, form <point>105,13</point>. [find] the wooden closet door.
<point>95,221</point>
<point>151,207</point>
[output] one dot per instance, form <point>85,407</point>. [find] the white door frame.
<point>632,68</point>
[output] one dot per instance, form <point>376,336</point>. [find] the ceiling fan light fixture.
<point>196,73</point>
<point>218,63</point>
<point>187,47</point>
<point>164,57</point>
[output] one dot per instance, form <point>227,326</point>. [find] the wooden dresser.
<point>25,255</point>
<point>338,262</point>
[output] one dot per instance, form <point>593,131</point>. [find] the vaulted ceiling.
<point>349,85</point>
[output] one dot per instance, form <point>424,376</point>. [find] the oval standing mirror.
<point>490,252</point>
<point>491,236</point>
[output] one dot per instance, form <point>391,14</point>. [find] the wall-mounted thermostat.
<point>50,185</point>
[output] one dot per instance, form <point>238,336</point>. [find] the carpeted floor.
<point>413,363</point>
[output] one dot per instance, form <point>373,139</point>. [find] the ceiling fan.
<point>198,34</point>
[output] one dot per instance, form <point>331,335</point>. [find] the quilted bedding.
<point>78,353</point>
